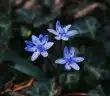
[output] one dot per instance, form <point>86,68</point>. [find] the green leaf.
<point>23,65</point>
<point>87,26</point>
<point>5,28</point>
<point>24,15</point>
<point>68,80</point>
<point>91,24</point>
<point>47,18</point>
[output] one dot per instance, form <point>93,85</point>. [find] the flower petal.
<point>58,37</point>
<point>59,29</point>
<point>48,45</point>
<point>71,33</point>
<point>75,66</point>
<point>78,59</point>
<point>46,38</point>
<point>60,61</point>
<point>44,54</point>
<point>28,42</point>
<point>58,25</point>
<point>35,40</point>
<point>68,67</point>
<point>52,31</point>
<point>40,36</point>
<point>35,55</point>
<point>72,51</point>
<point>65,38</point>
<point>66,28</point>
<point>66,52</point>
<point>41,39</point>
<point>30,49</point>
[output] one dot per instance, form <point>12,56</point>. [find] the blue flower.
<point>38,45</point>
<point>69,59</point>
<point>62,32</point>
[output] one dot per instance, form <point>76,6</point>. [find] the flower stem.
<point>62,46</point>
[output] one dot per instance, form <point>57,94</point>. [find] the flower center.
<point>40,48</point>
<point>61,31</point>
<point>70,60</point>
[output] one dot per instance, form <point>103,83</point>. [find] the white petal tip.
<point>60,61</point>
<point>57,62</point>
<point>35,56</point>
<point>48,29</point>
<point>33,36</point>
<point>67,67</point>
<point>65,38</point>
<point>75,66</point>
<point>81,59</point>
<point>58,38</point>
<point>48,45</point>
<point>33,59</point>
<point>52,31</point>
<point>77,69</point>
<point>44,54</point>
